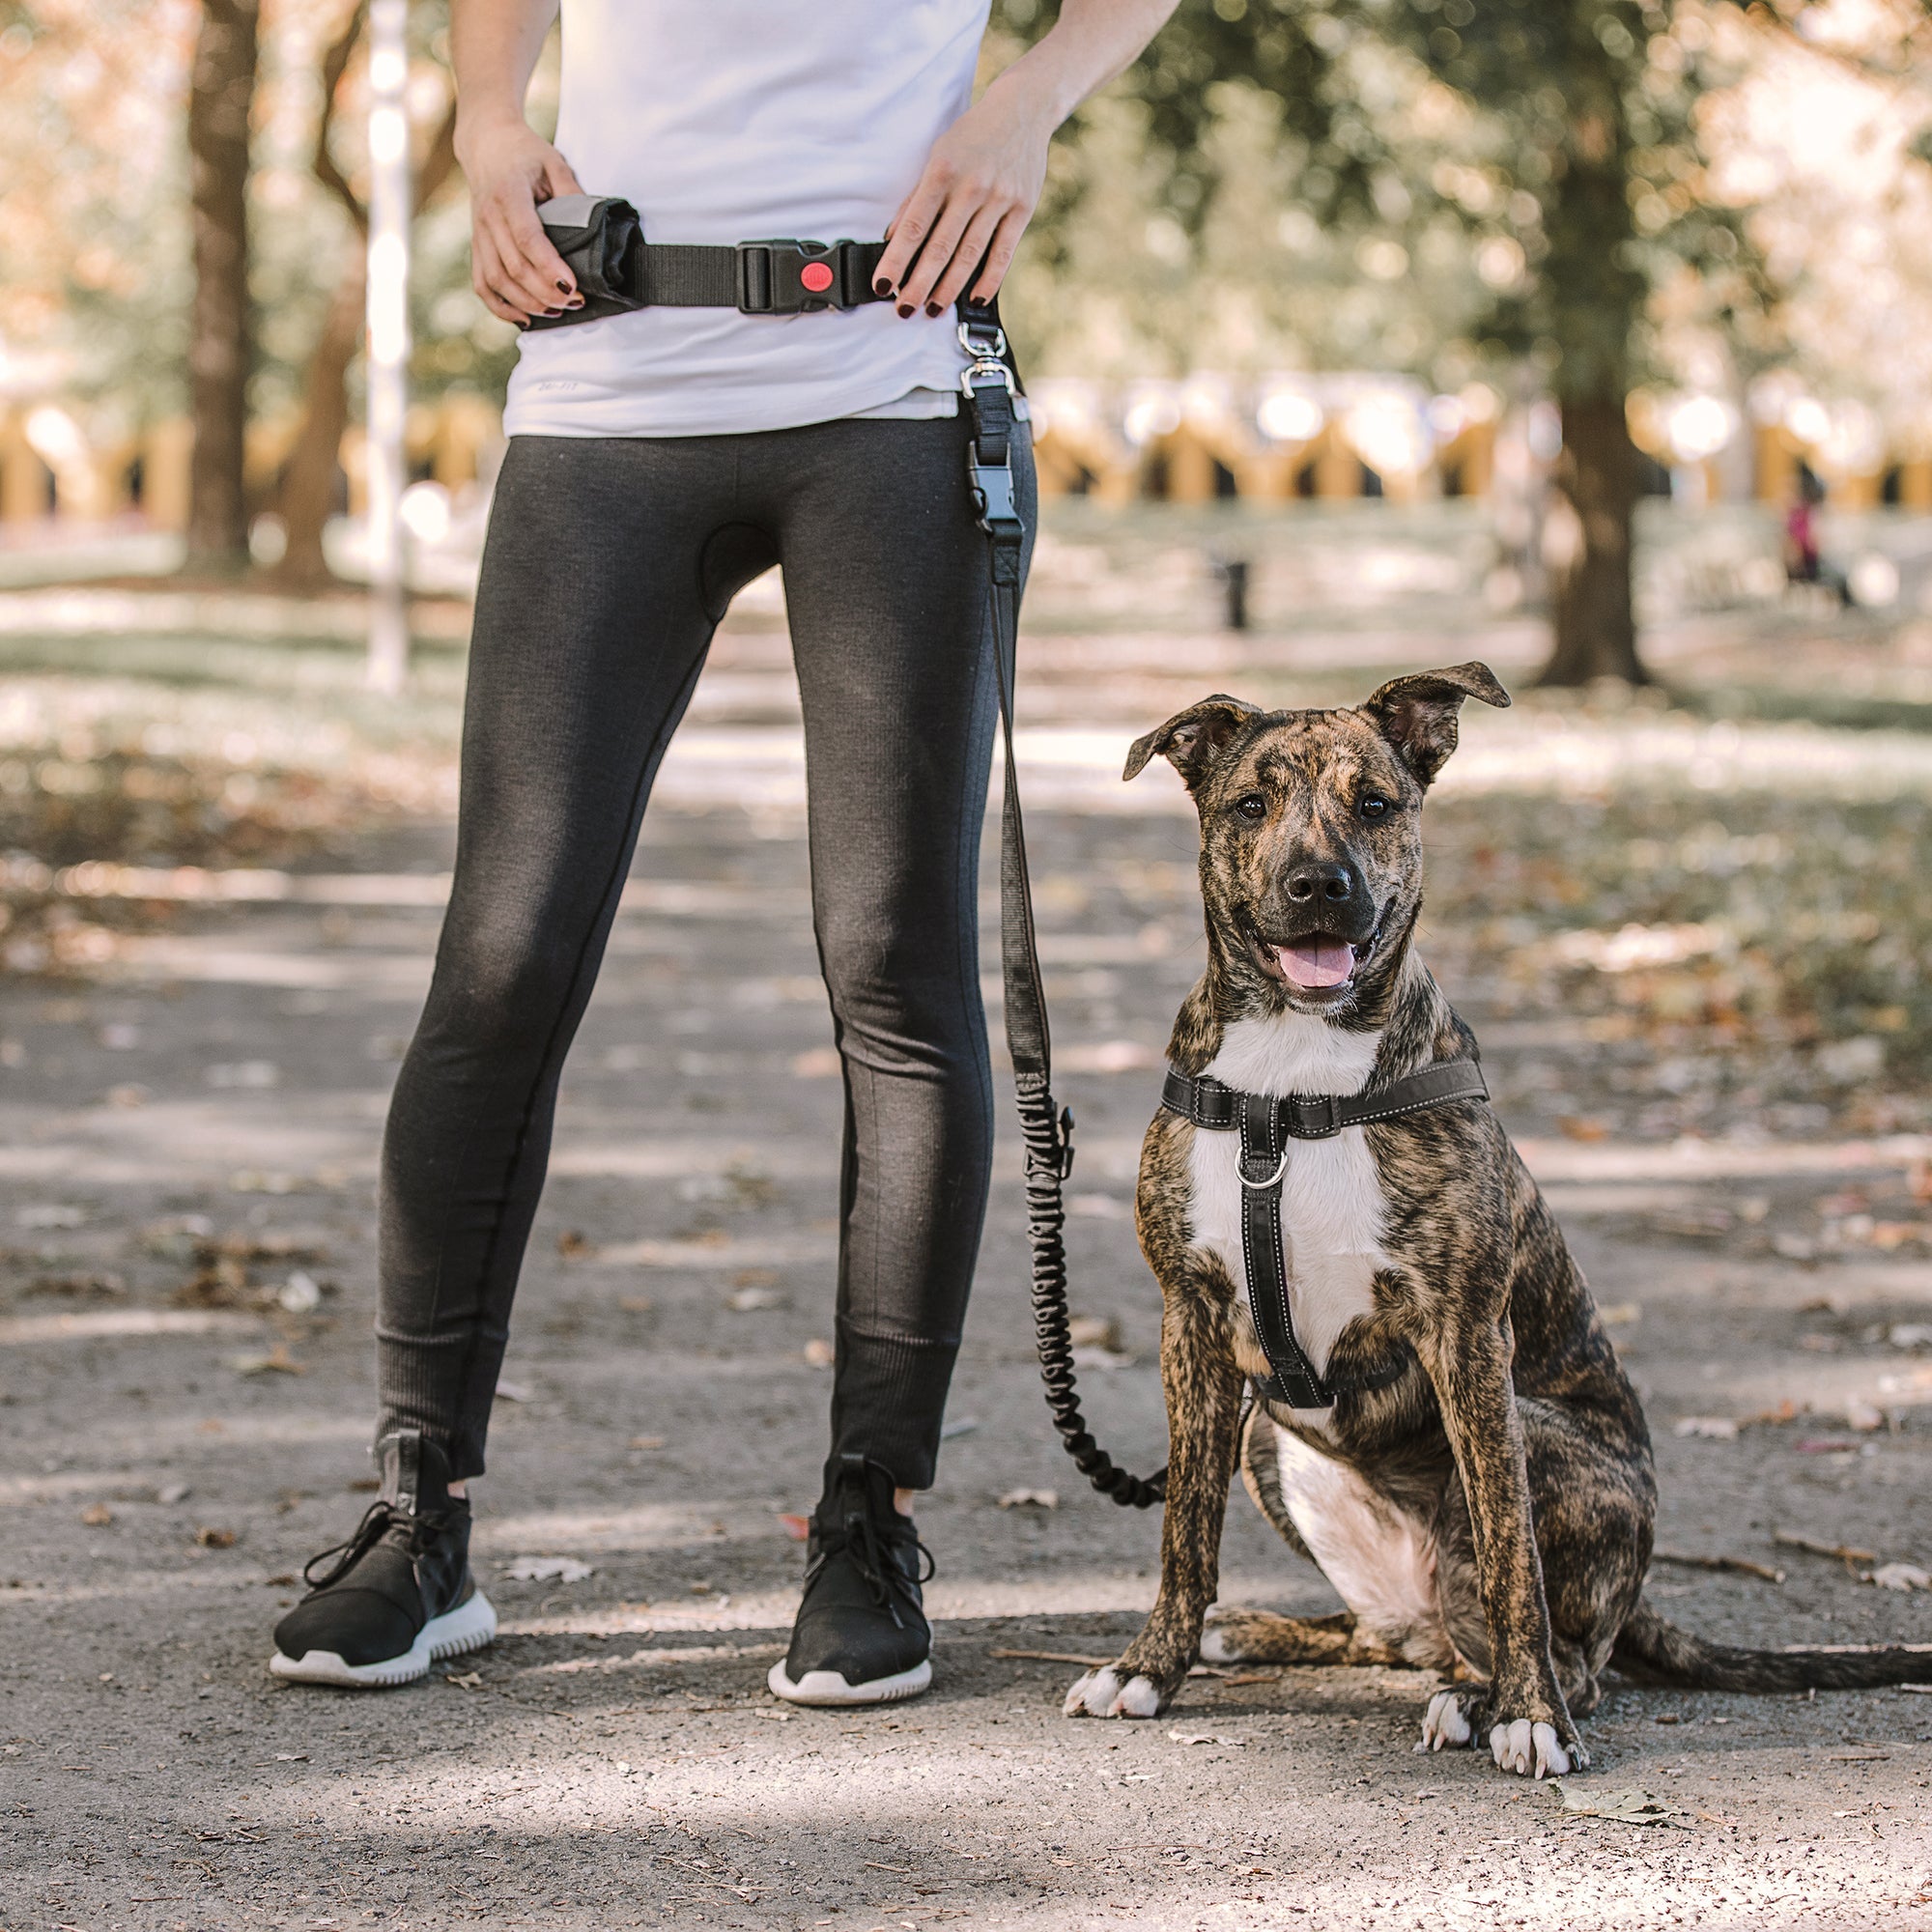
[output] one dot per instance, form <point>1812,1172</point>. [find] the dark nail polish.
<point>932,308</point>
<point>883,286</point>
<point>564,286</point>
<point>575,302</point>
<point>905,309</point>
<point>552,311</point>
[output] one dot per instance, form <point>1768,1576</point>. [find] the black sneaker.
<point>398,1595</point>
<point>862,1636</point>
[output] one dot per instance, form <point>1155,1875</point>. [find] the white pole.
<point>389,337</point>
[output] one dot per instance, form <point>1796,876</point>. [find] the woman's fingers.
<point>999,256</point>
<point>909,231</point>
<point>488,279</point>
<point>539,273</point>
<point>968,252</point>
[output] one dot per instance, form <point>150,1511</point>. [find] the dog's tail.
<point>1653,1650</point>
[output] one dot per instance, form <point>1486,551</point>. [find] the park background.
<point>1361,337</point>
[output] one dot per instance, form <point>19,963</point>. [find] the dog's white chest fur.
<point>1332,1197</point>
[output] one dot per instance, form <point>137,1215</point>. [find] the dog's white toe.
<point>1214,1647</point>
<point>1092,1695</point>
<point>1512,1747</point>
<point>1101,1694</point>
<point>1443,1724</point>
<point>1551,1759</point>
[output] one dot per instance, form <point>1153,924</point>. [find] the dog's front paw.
<point>1109,1692</point>
<point>1450,1721</point>
<point>1522,1744</point>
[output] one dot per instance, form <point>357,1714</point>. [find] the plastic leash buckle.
<point>786,277</point>
<point>992,487</point>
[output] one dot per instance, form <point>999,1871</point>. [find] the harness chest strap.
<point>1267,1124</point>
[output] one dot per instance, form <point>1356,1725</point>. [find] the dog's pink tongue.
<point>1317,962</point>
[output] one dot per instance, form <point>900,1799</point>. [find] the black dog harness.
<point>1268,1124</point>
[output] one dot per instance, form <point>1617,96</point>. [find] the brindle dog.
<point>1489,1514</point>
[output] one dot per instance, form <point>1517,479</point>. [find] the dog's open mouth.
<point>1314,962</point>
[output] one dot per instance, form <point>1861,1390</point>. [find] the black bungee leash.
<point>1048,1130</point>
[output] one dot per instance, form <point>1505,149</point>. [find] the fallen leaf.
<point>548,1569</point>
<point>1206,1737</point>
<point>215,1539</point>
<point>1901,1577</point>
<point>1577,1127</point>
<point>818,1355</point>
<point>468,1680</point>
<point>1054,1656</point>
<point>78,1286</point>
<point>574,1245</point>
<point>1713,1428</point>
<point>97,1515</point>
<point>1843,1552</point>
<point>300,1293</point>
<point>1045,1499</point>
<point>1625,1807</point>
<point>1620,1314</point>
<point>797,1527</point>
<point>276,1362</point>
<point>1094,1331</point>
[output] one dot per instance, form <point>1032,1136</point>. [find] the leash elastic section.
<point>1048,1130</point>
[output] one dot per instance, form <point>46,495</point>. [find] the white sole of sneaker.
<point>467,1628</point>
<point>829,1686</point>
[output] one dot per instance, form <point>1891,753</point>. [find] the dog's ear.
<point>1417,715</point>
<point>1191,740</point>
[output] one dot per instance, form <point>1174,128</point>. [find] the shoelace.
<point>377,1522</point>
<point>871,1552</point>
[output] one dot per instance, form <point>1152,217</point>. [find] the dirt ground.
<point>187,1141</point>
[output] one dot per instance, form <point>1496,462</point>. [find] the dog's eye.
<point>1374,805</point>
<point>1252,806</point>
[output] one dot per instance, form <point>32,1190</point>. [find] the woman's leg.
<point>886,587</point>
<point>607,565</point>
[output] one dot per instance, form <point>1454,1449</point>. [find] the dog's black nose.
<point>1333,882</point>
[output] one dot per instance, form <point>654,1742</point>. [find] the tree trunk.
<point>221,95</point>
<point>307,494</point>
<point>1587,548</point>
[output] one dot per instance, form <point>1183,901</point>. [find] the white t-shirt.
<point>728,120</point>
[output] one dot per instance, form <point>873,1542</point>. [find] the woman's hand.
<point>512,265</point>
<point>972,205</point>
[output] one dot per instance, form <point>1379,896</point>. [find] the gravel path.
<point>186,1160</point>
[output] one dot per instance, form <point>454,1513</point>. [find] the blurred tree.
<point>221,95</point>
<point>306,496</point>
<point>1571,160</point>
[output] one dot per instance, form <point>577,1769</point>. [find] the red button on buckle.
<point>815,278</point>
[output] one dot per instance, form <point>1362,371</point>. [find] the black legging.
<point>609,564</point>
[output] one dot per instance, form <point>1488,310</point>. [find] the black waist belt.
<point>602,238</point>
<point>1266,1123</point>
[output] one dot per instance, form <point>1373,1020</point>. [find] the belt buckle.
<point>770,277</point>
